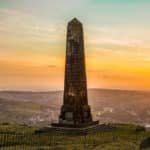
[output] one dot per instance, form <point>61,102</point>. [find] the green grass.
<point>122,137</point>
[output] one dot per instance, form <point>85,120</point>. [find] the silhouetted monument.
<point>75,110</point>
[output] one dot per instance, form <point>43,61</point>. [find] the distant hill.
<point>40,108</point>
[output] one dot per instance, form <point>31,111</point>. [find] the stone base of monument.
<point>83,125</point>
<point>61,129</point>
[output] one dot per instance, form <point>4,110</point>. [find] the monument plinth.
<point>75,111</point>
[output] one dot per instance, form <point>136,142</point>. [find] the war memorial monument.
<point>75,111</point>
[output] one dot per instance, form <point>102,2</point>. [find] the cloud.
<point>122,35</point>
<point>18,29</point>
<point>48,8</point>
<point>52,66</point>
<point>122,41</point>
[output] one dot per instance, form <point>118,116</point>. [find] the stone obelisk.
<point>75,110</point>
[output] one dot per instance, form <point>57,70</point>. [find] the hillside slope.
<point>107,106</point>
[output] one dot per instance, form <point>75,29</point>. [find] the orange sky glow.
<point>33,39</point>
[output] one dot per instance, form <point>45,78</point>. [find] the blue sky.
<point>89,10</point>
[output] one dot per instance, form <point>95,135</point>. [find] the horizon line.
<point>60,90</point>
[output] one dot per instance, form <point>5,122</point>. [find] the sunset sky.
<point>33,36</point>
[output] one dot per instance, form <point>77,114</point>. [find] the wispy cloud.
<point>18,29</point>
<point>124,35</point>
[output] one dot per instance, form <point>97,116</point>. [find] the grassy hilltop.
<point>21,137</point>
